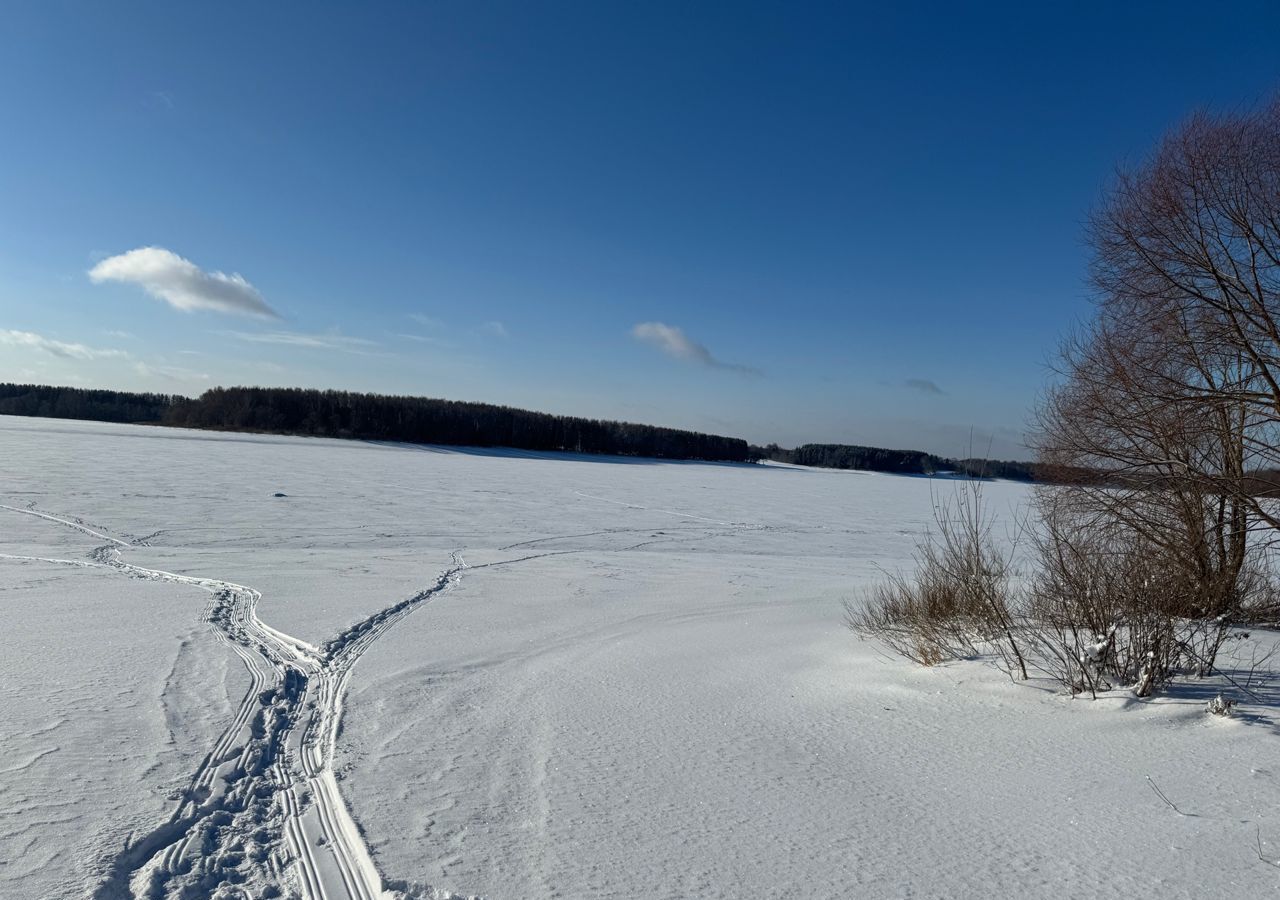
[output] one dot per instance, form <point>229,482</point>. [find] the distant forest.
<point>902,462</point>
<point>80,403</point>
<point>420,420</point>
<point>342,414</point>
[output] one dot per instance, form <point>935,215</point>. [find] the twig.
<point>1270,862</point>
<point>1161,795</point>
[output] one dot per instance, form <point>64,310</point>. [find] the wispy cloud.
<point>60,349</point>
<point>421,339</point>
<point>924,386</point>
<point>182,284</point>
<point>495,329</point>
<point>330,340</point>
<point>169,373</point>
<point>122,335</point>
<point>425,320</point>
<point>675,343</point>
<point>82,353</point>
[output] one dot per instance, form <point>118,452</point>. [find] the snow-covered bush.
<point>1221,705</point>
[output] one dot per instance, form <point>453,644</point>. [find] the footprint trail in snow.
<point>262,812</point>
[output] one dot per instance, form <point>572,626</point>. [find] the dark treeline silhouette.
<point>428,421</point>
<point>998,468</point>
<point>902,462</point>
<point>875,459</point>
<point>372,417</point>
<point>81,403</point>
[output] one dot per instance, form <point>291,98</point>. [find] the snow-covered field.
<point>525,676</point>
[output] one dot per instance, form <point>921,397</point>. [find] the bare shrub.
<point>1260,605</point>
<point>1105,607</point>
<point>957,603</point>
<point>912,619</point>
<point>1098,610</point>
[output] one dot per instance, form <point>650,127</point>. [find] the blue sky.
<point>788,222</point>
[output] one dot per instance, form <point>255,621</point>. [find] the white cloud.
<point>56,348</point>
<point>675,343</point>
<point>671,341</point>
<point>182,284</point>
<point>425,321</point>
<point>326,341</point>
<point>495,329</point>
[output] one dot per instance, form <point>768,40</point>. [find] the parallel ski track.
<point>271,767</point>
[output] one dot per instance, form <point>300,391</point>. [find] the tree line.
<point>344,414</point>
<point>82,403</point>
<point>902,462</point>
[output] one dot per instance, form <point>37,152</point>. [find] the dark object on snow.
<point>278,494</point>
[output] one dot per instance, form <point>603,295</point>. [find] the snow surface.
<point>534,675</point>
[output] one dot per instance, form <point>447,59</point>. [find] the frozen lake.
<point>516,675</point>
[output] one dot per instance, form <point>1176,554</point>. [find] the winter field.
<point>433,672</point>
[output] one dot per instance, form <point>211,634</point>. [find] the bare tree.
<point>1167,412</point>
<point>1187,336</point>
<point>1156,463</point>
<point>1173,392</point>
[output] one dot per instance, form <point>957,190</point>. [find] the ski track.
<point>262,810</point>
